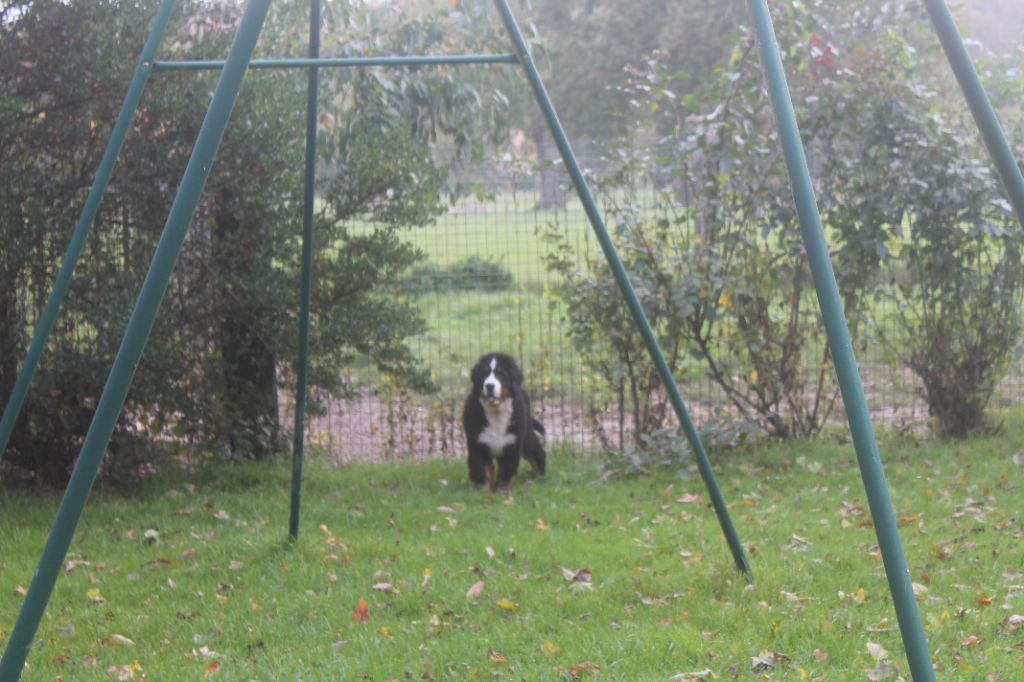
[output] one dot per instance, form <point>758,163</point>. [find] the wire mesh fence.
<point>482,287</point>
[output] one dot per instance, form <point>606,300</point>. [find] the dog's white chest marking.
<point>496,435</point>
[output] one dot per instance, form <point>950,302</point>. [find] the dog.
<point>499,427</point>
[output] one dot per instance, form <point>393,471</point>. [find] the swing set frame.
<point>233,70</point>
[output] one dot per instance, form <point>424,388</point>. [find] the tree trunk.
<point>552,172</point>
<point>249,365</point>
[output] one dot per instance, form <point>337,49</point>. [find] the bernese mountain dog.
<point>500,429</point>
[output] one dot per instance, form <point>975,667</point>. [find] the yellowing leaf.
<point>94,596</point>
<point>508,605</point>
<point>119,640</point>
<point>541,525</point>
<point>550,649</point>
<point>384,631</point>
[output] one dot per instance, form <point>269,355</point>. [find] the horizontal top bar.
<point>428,60</point>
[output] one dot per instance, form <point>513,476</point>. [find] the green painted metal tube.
<point>307,272</point>
<point>977,100</point>
<point>842,352</point>
<point>92,203</point>
<point>136,333</point>
<point>427,60</point>
<point>622,278</point>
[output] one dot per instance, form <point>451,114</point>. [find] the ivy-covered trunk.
<point>247,359</point>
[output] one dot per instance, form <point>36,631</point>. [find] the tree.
<point>225,339</point>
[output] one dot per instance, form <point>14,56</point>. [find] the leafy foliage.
<point>717,253</point>
<point>225,339</point>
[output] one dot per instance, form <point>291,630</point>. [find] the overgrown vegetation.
<point>908,197</point>
<point>559,580</point>
<point>226,334</point>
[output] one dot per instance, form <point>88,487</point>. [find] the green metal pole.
<point>307,271</point>
<point>622,278</point>
<point>77,243</point>
<point>136,333</point>
<point>977,100</point>
<point>293,63</point>
<point>842,352</point>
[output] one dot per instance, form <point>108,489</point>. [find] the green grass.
<point>221,592</point>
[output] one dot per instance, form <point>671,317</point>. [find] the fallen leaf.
<point>550,649</point>
<point>94,596</point>
<point>508,605</point>
<point>495,656</point>
<point>476,590</point>
<point>582,575</point>
<point>212,669</point>
<point>122,672</point>
<point>541,525</point>
<point>221,515</point>
<point>763,662</point>
<point>362,612</point>
<point>386,588</point>
<point>651,601</point>
<point>188,553</point>
<point>971,640</point>
<point>120,640</point>
<point>584,667</point>
<point>688,677</point>
<point>384,631</point>
<point>877,652</point>
<point>20,590</point>
<point>446,510</point>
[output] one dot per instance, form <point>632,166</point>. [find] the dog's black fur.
<point>499,426</point>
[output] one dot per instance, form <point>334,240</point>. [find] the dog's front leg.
<point>508,466</point>
<point>481,467</point>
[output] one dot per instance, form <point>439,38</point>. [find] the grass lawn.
<point>193,577</point>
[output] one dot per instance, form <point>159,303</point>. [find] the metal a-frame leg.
<point>622,278</point>
<point>306,295</point>
<point>977,100</point>
<point>841,346</point>
<point>136,333</point>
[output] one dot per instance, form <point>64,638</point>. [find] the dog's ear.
<point>515,376</point>
<point>478,373</point>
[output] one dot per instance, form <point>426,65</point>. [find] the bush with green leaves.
<point>716,252</point>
